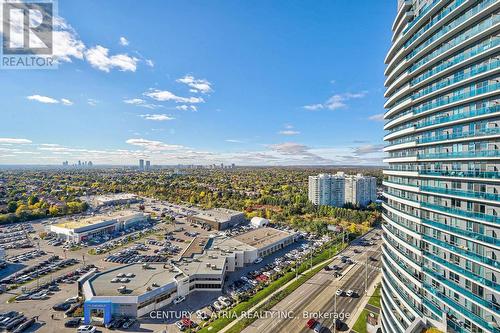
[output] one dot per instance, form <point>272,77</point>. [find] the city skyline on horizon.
<point>304,94</point>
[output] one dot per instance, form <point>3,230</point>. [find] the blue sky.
<point>247,82</point>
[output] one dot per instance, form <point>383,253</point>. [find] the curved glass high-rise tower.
<point>442,217</point>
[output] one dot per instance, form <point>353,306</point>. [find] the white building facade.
<point>441,248</point>
<point>326,190</point>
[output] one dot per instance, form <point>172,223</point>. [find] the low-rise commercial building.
<point>137,289</point>
<point>78,230</point>
<point>218,218</point>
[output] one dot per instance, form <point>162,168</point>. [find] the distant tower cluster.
<point>144,166</point>
<point>79,164</point>
<point>339,189</point>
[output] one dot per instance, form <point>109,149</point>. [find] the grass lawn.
<point>222,322</point>
<point>360,324</point>
<point>375,298</point>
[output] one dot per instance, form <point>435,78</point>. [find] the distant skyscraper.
<point>326,190</point>
<point>148,165</point>
<point>441,237</point>
<point>141,165</point>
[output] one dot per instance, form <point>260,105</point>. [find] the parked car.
<point>86,329</point>
<point>179,299</point>
<point>73,322</point>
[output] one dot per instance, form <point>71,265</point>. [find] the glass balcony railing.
<point>403,266</point>
<point>461,154</point>
<point>457,97</point>
<point>464,36</point>
<point>476,70</point>
<point>464,213</point>
<point>462,291</point>
<point>434,20</point>
<point>458,116</point>
<point>422,13</point>
<point>460,173</point>
<point>464,252</point>
<point>459,308</point>
<point>468,274</point>
<point>404,297</point>
<point>441,101</point>
<point>469,194</point>
<point>460,135</point>
<point>452,25</point>
<point>475,50</point>
<point>462,232</point>
<point>433,307</point>
<point>400,183</point>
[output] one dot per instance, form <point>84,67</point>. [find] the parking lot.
<point>160,241</point>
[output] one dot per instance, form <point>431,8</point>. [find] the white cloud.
<point>156,117</point>
<point>14,141</point>
<point>185,107</point>
<point>313,107</point>
<point>289,132</point>
<point>150,63</point>
<point>377,117</point>
<point>142,103</point>
<point>233,141</point>
<point>66,101</point>
<point>49,100</point>
<point>92,102</point>
<point>99,58</point>
<point>152,145</point>
<point>43,99</point>
<point>124,41</point>
<point>337,101</point>
<point>197,85</point>
<point>165,95</point>
<point>368,149</point>
<point>134,101</point>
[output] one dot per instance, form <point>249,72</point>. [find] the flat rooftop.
<point>88,221</point>
<point>218,214</point>
<point>262,237</point>
<point>197,246</point>
<point>211,262</point>
<point>158,273</point>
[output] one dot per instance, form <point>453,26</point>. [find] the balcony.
<point>461,154</point>
<point>459,308</point>
<point>466,253</point>
<point>466,36</point>
<point>458,78</point>
<point>463,115</point>
<point>461,193</point>
<point>451,26</point>
<point>476,50</point>
<point>465,233</point>
<point>493,87</point>
<point>464,213</point>
<point>460,173</point>
<point>460,135</point>
<point>495,307</point>
<point>462,271</point>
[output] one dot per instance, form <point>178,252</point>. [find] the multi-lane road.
<point>317,296</point>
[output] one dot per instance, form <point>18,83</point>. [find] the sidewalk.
<point>255,307</point>
<point>364,303</point>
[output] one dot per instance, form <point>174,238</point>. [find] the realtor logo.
<point>27,34</point>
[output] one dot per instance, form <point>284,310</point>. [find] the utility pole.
<point>335,314</point>
<point>311,258</point>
